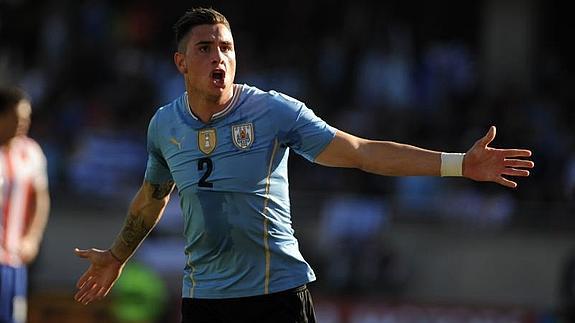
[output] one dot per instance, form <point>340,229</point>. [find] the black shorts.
<point>290,306</point>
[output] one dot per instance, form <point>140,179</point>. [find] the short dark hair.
<point>196,17</point>
<point>10,96</point>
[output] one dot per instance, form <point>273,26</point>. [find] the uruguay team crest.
<point>243,135</point>
<point>207,140</point>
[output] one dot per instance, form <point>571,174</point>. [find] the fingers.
<point>82,280</point>
<point>516,152</point>
<point>102,293</point>
<point>90,291</point>
<point>488,138</point>
<point>505,182</point>
<point>509,171</point>
<point>85,294</point>
<point>90,295</point>
<point>85,282</point>
<point>518,163</point>
<point>515,172</point>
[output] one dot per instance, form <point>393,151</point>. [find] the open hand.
<point>483,163</point>
<point>97,281</point>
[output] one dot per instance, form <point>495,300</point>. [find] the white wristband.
<point>452,164</point>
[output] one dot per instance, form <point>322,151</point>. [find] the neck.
<point>205,106</point>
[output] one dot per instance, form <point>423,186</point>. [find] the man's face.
<point>15,121</point>
<point>209,61</point>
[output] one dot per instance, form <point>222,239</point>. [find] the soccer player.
<point>225,147</point>
<point>24,202</point>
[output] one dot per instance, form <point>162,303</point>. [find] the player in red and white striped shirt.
<point>24,202</point>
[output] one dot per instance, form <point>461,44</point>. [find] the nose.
<point>218,56</point>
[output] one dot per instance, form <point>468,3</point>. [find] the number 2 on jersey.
<point>209,168</point>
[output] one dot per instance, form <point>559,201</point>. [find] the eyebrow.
<point>209,42</point>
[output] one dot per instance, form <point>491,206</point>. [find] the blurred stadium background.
<point>436,74</point>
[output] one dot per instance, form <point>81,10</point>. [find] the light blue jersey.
<point>232,177</point>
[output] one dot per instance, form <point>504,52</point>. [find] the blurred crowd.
<point>97,70</point>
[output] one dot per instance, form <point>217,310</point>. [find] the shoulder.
<point>28,148</point>
<point>28,144</point>
<point>169,110</point>
<point>171,107</point>
<point>270,99</point>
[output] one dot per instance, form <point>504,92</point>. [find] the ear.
<point>180,61</point>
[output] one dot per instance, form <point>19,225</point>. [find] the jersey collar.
<point>224,112</point>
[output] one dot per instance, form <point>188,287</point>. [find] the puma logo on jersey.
<point>176,142</point>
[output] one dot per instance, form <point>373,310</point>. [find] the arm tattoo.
<point>162,190</point>
<point>141,219</point>
<point>134,230</point>
<point>132,234</point>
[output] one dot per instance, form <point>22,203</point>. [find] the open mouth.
<point>218,77</point>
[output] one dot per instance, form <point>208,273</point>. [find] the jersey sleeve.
<point>157,171</point>
<point>302,130</point>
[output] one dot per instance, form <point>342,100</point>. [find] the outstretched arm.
<point>106,266</point>
<point>481,163</point>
